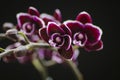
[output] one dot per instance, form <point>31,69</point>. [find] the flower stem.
<point>40,67</point>
<point>75,69</point>
<point>27,47</point>
<point>3,36</point>
<point>2,50</point>
<point>25,37</point>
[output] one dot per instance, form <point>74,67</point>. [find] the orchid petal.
<point>22,18</point>
<point>74,26</point>
<point>98,46</point>
<point>57,15</point>
<point>67,42</point>
<point>47,18</point>
<point>52,28</point>
<point>33,11</point>
<point>43,34</point>
<point>66,53</point>
<point>39,22</point>
<point>66,29</point>
<point>84,17</point>
<point>93,33</point>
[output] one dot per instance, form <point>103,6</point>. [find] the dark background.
<point>102,65</point>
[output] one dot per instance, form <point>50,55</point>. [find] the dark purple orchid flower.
<point>77,29</point>
<point>94,42</point>
<point>85,35</point>
<point>57,37</point>
<point>30,22</point>
<point>57,17</point>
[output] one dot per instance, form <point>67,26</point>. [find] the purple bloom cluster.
<point>81,31</point>
<point>63,36</point>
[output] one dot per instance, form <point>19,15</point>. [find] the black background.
<point>102,65</point>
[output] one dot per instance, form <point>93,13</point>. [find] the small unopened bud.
<point>9,58</point>
<point>12,34</point>
<point>20,51</point>
<point>22,40</point>
<point>27,58</point>
<point>7,26</point>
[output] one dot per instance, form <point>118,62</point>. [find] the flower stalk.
<point>3,36</point>
<point>40,68</point>
<point>74,68</point>
<point>27,47</point>
<point>2,50</point>
<point>25,37</point>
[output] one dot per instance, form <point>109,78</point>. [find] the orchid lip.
<point>25,31</point>
<point>55,44</point>
<point>52,43</point>
<point>79,35</point>
<point>78,41</point>
<point>57,40</point>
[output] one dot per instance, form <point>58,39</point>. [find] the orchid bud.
<point>9,58</point>
<point>20,51</point>
<point>12,34</point>
<point>7,26</point>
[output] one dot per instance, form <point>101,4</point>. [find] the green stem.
<point>25,37</point>
<point>41,68</point>
<point>2,50</point>
<point>3,36</point>
<point>75,69</point>
<point>27,47</point>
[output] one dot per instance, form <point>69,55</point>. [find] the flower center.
<point>58,39</point>
<point>79,39</point>
<point>80,36</point>
<point>29,27</point>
